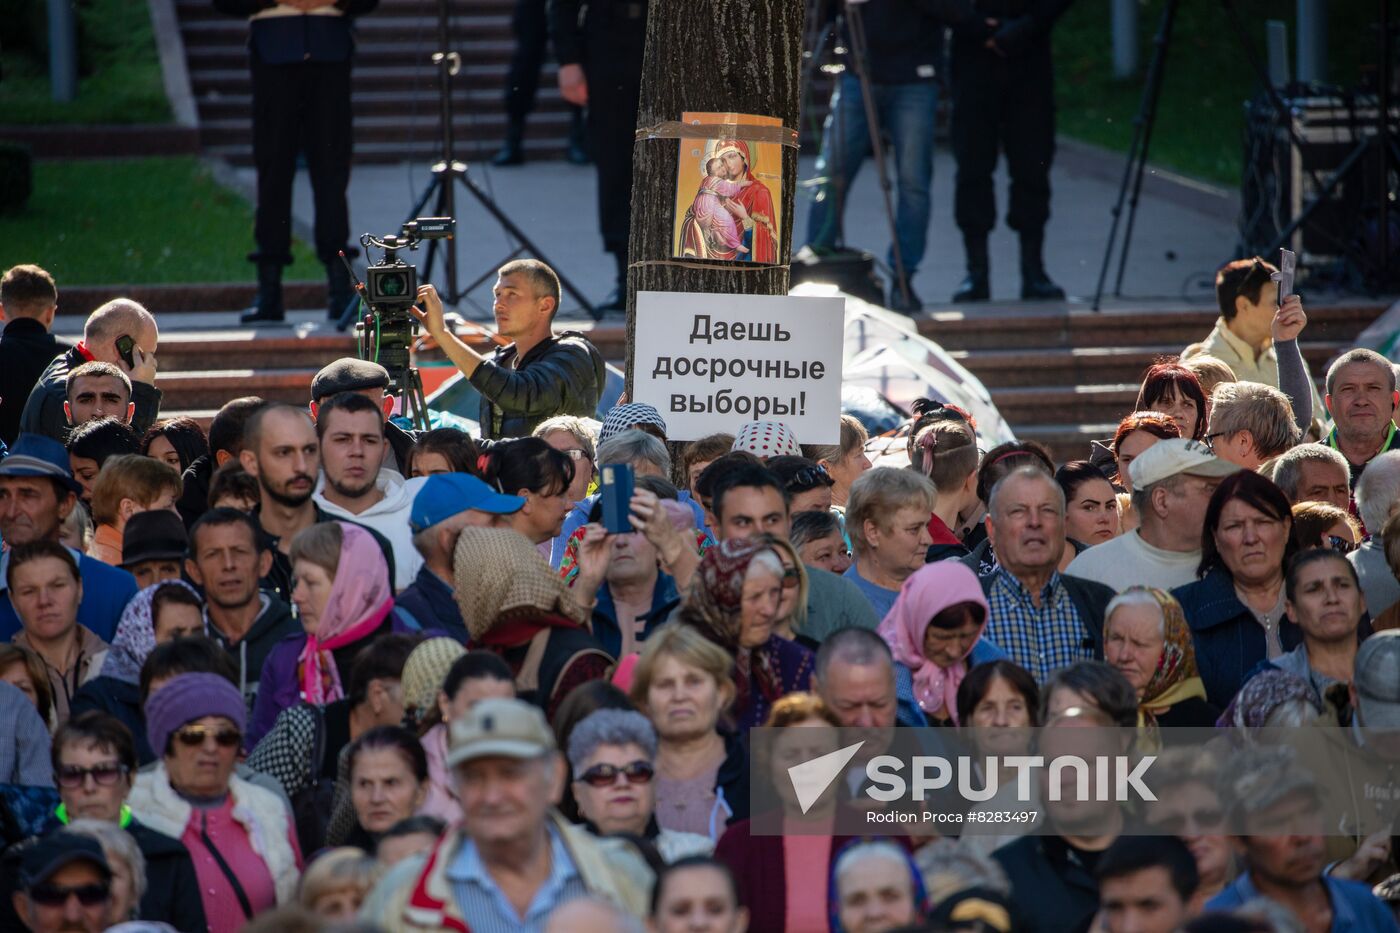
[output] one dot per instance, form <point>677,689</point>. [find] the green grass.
<point>120,77</point>
<point>147,221</point>
<point>1200,116</point>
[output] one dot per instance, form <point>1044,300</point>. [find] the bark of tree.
<point>709,55</point>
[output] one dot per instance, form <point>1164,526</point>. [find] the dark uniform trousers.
<point>1002,105</point>
<point>609,44</point>
<point>531,26</point>
<point>301,107</point>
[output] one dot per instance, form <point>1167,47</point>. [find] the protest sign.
<point>711,362</point>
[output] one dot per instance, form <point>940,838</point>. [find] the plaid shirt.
<point>1040,639</point>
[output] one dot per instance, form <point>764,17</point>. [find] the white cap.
<point>1174,455</point>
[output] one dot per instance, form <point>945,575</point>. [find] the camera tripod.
<point>448,172</point>
<point>1375,267</point>
<point>826,27</point>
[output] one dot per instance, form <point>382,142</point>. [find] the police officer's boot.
<point>513,152</point>
<point>1035,284</point>
<point>339,291</point>
<point>267,306</point>
<point>617,299</point>
<point>578,140</point>
<point>974,286</point>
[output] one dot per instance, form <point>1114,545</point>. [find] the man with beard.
<point>354,487</point>
<point>281,451</point>
<point>227,559</point>
<point>1275,813</point>
<point>1361,399</point>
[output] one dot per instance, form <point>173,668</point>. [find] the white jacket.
<point>261,812</point>
<point>389,517</point>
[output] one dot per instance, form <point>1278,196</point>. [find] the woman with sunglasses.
<point>734,601</point>
<point>1321,525</point>
<point>94,767</point>
<point>934,631</point>
<point>612,754</point>
<point>1188,807</point>
<point>241,836</point>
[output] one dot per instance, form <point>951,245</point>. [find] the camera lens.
<point>393,285</point>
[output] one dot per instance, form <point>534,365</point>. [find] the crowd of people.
<point>310,668</point>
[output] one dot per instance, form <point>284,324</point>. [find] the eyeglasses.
<point>1340,545</point>
<point>1204,820</point>
<point>809,478</point>
<point>195,736</point>
<point>106,775</point>
<point>638,772</point>
<point>51,895</point>
<point>791,578</point>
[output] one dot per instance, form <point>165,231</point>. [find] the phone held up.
<point>126,349</point>
<point>617,484</point>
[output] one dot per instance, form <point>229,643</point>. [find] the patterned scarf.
<point>498,575</point>
<point>136,635</point>
<point>360,599</point>
<point>1176,677</point>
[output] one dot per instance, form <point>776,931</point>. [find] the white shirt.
<point>1127,560</point>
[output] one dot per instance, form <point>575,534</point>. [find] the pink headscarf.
<point>928,591</point>
<point>360,599</point>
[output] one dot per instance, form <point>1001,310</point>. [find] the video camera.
<point>391,288</point>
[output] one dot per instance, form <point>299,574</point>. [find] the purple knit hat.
<point>188,697</point>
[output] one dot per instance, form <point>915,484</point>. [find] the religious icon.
<point>727,192</point>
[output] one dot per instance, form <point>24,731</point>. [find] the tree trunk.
<point>709,55</point>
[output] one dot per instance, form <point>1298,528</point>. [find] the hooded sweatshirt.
<point>274,623</point>
<point>389,517</point>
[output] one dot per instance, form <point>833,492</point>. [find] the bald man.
<point>105,329</point>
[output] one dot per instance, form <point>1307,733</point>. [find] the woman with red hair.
<point>1135,434</point>
<point>1172,389</point>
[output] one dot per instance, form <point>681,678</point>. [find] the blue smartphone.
<point>617,484</point>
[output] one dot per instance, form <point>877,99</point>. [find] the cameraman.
<point>903,61</point>
<point>540,374</point>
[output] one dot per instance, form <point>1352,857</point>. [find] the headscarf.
<point>928,591</point>
<point>1176,677</point>
<point>136,635</point>
<point>766,439</point>
<point>497,574</point>
<point>625,417</point>
<point>1261,695</point>
<point>424,673</point>
<point>715,607</point>
<point>360,599</point>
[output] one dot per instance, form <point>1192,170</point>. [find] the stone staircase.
<point>395,90</point>
<point>1062,377</point>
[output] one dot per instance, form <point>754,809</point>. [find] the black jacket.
<point>26,349</point>
<point>172,890</point>
<point>279,579</point>
<point>273,624</point>
<point>117,698</point>
<point>194,490</point>
<point>43,412</point>
<point>1051,881</point>
<point>904,38</point>
<point>283,40</point>
<point>564,375</point>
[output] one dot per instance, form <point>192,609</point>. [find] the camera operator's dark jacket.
<point>284,40</point>
<point>564,375</point>
<point>904,38</point>
<point>43,413</point>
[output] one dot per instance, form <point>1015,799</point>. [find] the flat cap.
<point>348,374</point>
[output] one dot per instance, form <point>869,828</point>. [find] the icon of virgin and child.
<point>731,216</point>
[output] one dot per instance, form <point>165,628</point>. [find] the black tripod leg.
<point>519,235</point>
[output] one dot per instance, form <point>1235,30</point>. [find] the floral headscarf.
<point>360,598</point>
<point>1176,677</point>
<point>1262,694</point>
<point>136,635</point>
<point>715,606</point>
<point>928,591</point>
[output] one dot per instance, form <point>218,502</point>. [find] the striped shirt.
<point>1040,639</point>
<point>487,910</point>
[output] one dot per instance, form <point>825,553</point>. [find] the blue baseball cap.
<point>444,495</point>
<point>38,455</point>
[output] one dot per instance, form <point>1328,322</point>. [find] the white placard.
<point>711,362</point>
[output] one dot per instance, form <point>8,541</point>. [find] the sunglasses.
<point>71,776</point>
<point>575,454</point>
<point>791,578</point>
<point>638,772</point>
<point>51,895</point>
<point>1340,545</point>
<point>1199,819</point>
<point>809,478</point>
<point>195,736</point>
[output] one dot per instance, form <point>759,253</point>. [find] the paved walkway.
<point>1183,231</point>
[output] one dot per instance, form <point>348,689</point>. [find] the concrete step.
<point>390,128</point>
<point>228,105</point>
<point>390,77</point>
<point>191,11</point>
<point>1078,404</point>
<point>1066,441</point>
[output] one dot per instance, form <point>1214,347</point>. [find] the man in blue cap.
<point>37,491</point>
<point>445,504</point>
